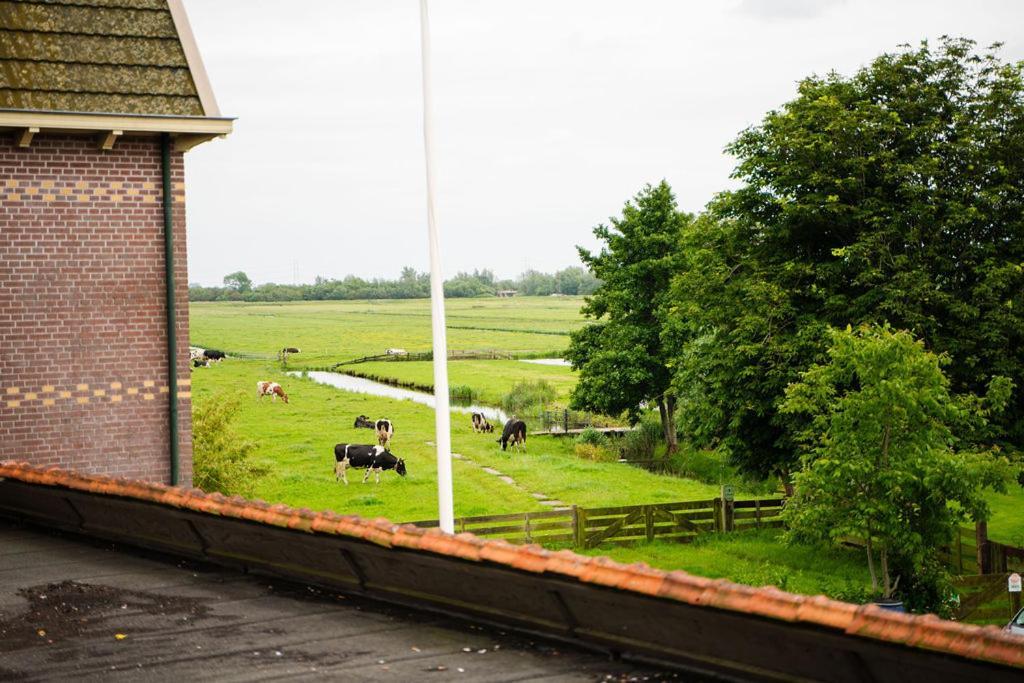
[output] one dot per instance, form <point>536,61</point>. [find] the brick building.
<point>99,101</point>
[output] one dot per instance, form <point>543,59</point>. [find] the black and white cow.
<point>363,422</point>
<point>372,458</point>
<point>514,431</point>
<point>214,355</point>
<point>385,430</point>
<point>480,423</point>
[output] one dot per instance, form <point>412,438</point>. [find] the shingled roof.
<point>127,65</point>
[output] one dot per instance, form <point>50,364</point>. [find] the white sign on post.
<point>727,493</point>
<point>1014,583</point>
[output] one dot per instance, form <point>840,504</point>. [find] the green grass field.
<point>295,441</point>
<point>757,558</point>
<point>333,331</point>
<point>489,379</point>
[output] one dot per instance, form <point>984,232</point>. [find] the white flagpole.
<point>442,415</point>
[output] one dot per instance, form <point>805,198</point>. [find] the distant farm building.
<point>505,293</point>
<point>98,103</point>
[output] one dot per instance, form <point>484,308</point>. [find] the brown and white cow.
<point>480,423</point>
<point>271,389</point>
<point>385,430</point>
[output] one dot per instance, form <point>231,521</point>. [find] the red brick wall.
<point>83,343</point>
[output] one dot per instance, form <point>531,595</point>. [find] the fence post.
<point>649,523</point>
<point>575,527</point>
<point>719,525</point>
<point>757,513</point>
<point>565,420</point>
<point>981,541</point>
<point>959,551</point>
<point>581,528</point>
<point>526,526</point>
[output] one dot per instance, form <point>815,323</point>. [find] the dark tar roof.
<point>84,609</point>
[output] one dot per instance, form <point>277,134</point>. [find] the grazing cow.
<point>480,423</point>
<point>372,458</point>
<point>195,353</point>
<point>363,422</point>
<point>200,363</point>
<point>271,389</point>
<point>282,355</point>
<point>385,430</point>
<point>514,431</point>
<point>396,352</point>
<point>214,355</point>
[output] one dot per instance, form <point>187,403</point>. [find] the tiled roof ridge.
<point>988,643</point>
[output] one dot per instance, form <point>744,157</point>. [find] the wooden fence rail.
<point>624,525</point>
<point>984,598</point>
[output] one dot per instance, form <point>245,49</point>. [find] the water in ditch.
<point>360,385</point>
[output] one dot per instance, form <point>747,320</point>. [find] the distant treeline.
<point>409,285</point>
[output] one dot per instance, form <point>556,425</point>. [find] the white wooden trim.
<point>195,62</point>
<point>67,122</point>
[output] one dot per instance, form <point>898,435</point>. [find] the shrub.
<point>640,443</point>
<point>594,452</point>
<point>527,395</point>
<point>220,456</point>
<point>461,392</point>
<point>592,437</point>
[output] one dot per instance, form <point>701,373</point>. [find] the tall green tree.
<point>238,281</point>
<point>880,460</point>
<point>896,194</point>
<point>621,359</point>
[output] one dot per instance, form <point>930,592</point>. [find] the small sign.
<point>727,493</point>
<point>1014,583</point>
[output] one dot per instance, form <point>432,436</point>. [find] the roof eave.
<point>188,131</point>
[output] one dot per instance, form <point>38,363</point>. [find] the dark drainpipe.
<point>172,327</point>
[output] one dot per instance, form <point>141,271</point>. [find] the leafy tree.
<point>892,195</point>
<point>477,283</point>
<point>238,281</point>
<point>621,358</point>
<point>221,458</point>
<point>575,280</point>
<point>534,283</point>
<point>879,461</point>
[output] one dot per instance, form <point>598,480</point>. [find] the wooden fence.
<point>984,598</point>
<point>961,555</point>
<point>626,525</point>
<point>1005,558</point>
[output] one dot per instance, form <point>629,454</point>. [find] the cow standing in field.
<point>385,430</point>
<point>371,458</point>
<point>480,423</point>
<point>214,355</point>
<point>271,389</point>
<point>514,432</point>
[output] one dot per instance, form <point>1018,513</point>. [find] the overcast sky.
<point>550,114</point>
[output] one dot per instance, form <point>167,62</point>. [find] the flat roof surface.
<point>87,609</point>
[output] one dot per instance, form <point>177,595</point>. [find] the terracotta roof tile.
<point>867,621</point>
